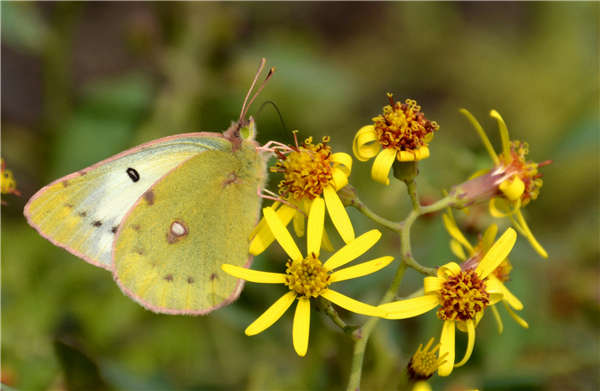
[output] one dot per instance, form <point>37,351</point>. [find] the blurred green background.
<point>83,81</point>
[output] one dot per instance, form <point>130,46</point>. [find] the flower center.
<point>306,170</point>
<point>307,277</point>
<point>403,126</point>
<point>424,362</point>
<point>462,296</point>
<point>525,170</point>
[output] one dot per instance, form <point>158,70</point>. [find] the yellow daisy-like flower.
<point>514,180</point>
<point>310,171</point>
<point>458,245</point>
<point>7,183</point>
<point>461,295</point>
<point>308,277</point>
<point>401,133</point>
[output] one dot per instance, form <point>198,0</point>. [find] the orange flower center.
<point>307,277</point>
<point>307,170</point>
<point>527,171</point>
<point>403,126</point>
<point>462,296</point>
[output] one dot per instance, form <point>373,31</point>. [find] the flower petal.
<point>529,235</point>
<point>362,269</point>
<point>316,221</point>
<point>422,153</point>
<point>447,348</point>
<point>299,224</point>
<point>512,188</point>
<point>457,250</point>
<point>382,165</point>
<point>409,308</point>
<point>488,237</point>
<point>453,230</point>
<point>326,243</point>
<point>351,304</point>
<point>353,250</point>
<point>522,322</point>
<point>343,162</point>
<point>301,327</point>
<point>262,224</point>
<point>503,133</point>
<point>253,275</point>
<point>340,179</point>
<point>497,318</point>
<point>264,237</point>
<point>494,285</point>
<point>271,315</point>
<point>470,343</point>
<point>338,214</point>
<point>448,270</point>
<point>365,144</point>
<point>282,235</point>
<point>497,253</point>
<point>432,284</point>
<point>482,135</point>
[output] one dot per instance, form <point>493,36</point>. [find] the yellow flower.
<point>458,245</point>
<point>401,133</point>
<point>309,172</point>
<point>461,295</point>
<point>424,362</point>
<point>8,183</point>
<point>421,386</point>
<point>308,277</point>
<point>513,180</point>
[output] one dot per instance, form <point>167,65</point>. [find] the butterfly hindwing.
<point>82,211</point>
<point>170,246</point>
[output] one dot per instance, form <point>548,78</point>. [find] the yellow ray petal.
<point>361,269</point>
<point>448,270</point>
<point>493,285</point>
<point>326,243</point>
<point>500,207</point>
<point>342,161</point>
<point>299,224</point>
<point>382,165</point>
<point>497,253</point>
<point>482,135</point>
<point>338,214</point>
<point>470,343</point>
<point>253,275</point>
<point>453,230</point>
<point>301,327</point>
<point>409,308</point>
<point>365,144</point>
<point>512,188</point>
<point>488,237</point>
<point>271,315</point>
<point>432,284</point>
<point>457,250</point>
<point>498,319</point>
<point>522,322</point>
<point>316,221</point>
<point>353,250</point>
<point>340,179</point>
<point>262,223</point>
<point>282,235</point>
<point>264,237</point>
<point>503,134</point>
<point>447,348</point>
<point>529,235</point>
<point>421,153</point>
<point>351,304</point>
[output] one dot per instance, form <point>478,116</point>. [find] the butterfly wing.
<point>170,247</point>
<point>82,211</point>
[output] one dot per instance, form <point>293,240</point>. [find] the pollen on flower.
<point>307,170</point>
<point>8,183</point>
<point>307,277</point>
<point>526,171</point>
<point>462,296</point>
<point>403,126</point>
<point>425,362</point>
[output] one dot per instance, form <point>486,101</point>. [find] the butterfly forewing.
<point>170,247</point>
<point>82,211</point>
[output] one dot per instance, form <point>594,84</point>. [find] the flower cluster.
<point>7,181</point>
<point>460,292</point>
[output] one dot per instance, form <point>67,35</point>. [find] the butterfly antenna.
<point>271,72</point>
<point>261,66</point>
<point>270,102</point>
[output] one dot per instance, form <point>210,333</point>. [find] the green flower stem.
<point>365,331</point>
<point>327,307</point>
<point>411,187</point>
<point>362,208</point>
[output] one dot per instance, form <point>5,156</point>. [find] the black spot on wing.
<point>169,277</point>
<point>213,276</point>
<point>114,229</point>
<point>149,197</point>
<point>97,223</point>
<point>190,280</point>
<point>83,213</point>
<point>133,174</point>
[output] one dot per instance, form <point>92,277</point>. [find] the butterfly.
<point>164,216</point>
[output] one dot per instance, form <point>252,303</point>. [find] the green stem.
<point>362,208</point>
<point>365,331</point>
<point>327,307</point>
<point>411,187</point>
